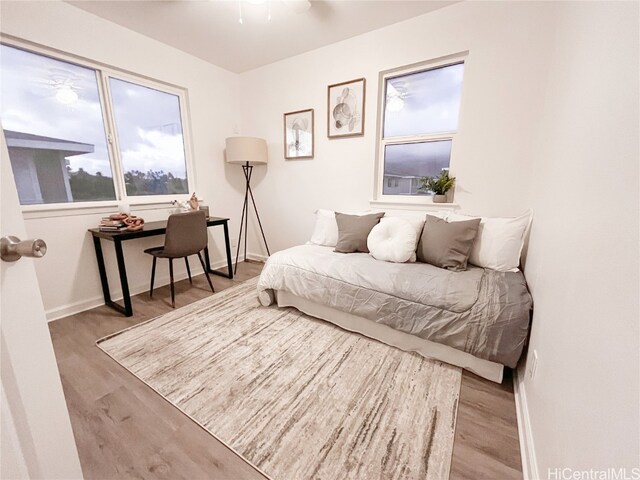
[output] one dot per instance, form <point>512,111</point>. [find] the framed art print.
<point>298,134</point>
<point>345,113</point>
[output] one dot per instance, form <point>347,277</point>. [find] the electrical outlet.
<point>234,243</point>
<point>532,364</point>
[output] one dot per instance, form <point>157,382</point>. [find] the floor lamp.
<point>247,151</point>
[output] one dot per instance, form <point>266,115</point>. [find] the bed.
<point>477,319</point>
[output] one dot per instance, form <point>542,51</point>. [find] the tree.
<point>153,183</point>
<point>87,187</point>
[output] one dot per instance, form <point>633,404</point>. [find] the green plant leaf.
<point>437,185</point>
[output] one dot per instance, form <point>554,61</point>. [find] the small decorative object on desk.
<point>134,223</point>
<point>438,185</point>
<point>193,202</point>
<point>181,206</point>
<point>113,223</point>
<point>119,222</point>
<point>124,208</point>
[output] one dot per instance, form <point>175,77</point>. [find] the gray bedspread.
<point>479,311</point>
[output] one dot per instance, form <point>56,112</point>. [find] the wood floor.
<point>125,430</point>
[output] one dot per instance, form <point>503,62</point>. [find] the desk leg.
<point>207,261</point>
<point>126,297</point>
<point>228,248</point>
<point>105,281</point>
<point>103,271</point>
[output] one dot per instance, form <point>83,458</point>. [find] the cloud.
<point>147,120</point>
<point>156,151</point>
<point>431,102</point>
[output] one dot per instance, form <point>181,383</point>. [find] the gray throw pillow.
<point>447,244</point>
<point>353,231</point>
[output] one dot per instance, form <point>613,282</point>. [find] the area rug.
<point>297,397</point>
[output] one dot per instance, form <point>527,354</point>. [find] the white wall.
<point>493,151</point>
<point>582,265</point>
<point>68,274</point>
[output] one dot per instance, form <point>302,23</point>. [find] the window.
<point>59,118</point>
<point>149,136</point>
<point>52,121</point>
<point>419,108</point>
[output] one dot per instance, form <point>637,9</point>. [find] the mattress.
<point>478,311</point>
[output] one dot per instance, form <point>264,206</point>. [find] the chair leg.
<point>173,293</point>
<point>153,276</point>
<point>186,262</point>
<point>206,273</point>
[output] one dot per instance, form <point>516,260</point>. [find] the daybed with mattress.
<point>477,319</point>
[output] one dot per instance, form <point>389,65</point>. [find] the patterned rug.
<point>297,397</point>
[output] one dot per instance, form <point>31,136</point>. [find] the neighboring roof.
<point>391,175</point>
<point>39,142</point>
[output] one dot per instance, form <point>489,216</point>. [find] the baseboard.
<point>525,434</point>
<point>257,257</point>
<point>83,305</point>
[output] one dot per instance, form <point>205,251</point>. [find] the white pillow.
<point>416,221</point>
<point>325,231</point>
<point>499,242</point>
<point>393,240</point>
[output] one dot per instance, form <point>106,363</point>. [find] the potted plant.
<point>438,185</point>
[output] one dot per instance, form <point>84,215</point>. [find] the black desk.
<point>150,229</point>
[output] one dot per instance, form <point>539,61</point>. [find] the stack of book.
<point>108,224</point>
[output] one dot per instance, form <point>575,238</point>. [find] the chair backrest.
<point>186,234</point>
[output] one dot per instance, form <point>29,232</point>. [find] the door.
<point>37,440</point>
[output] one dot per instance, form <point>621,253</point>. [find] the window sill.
<point>30,212</point>
<point>413,204</point>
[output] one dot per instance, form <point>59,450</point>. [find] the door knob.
<point>12,249</point>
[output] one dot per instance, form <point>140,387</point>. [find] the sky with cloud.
<point>430,102</point>
<point>147,120</point>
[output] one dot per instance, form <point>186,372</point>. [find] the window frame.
<point>381,142</point>
<point>103,73</point>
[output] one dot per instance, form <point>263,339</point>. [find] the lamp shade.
<point>241,150</point>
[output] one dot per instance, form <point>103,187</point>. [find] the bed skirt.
<point>404,341</point>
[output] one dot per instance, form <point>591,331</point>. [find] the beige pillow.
<point>353,231</point>
<point>447,245</point>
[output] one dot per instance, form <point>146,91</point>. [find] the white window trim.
<point>103,72</point>
<point>91,209</point>
<point>411,201</point>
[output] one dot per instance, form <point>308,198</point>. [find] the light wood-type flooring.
<point>123,429</point>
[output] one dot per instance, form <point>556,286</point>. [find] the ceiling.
<point>210,29</point>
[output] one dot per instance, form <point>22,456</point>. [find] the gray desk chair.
<point>186,235</point>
